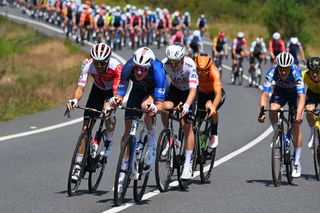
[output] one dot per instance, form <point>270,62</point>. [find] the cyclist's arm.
<point>78,92</point>
<point>217,86</point>
<point>301,95</point>
<point>160,80</point>
<point>116,78</point>
<point>193,84</point>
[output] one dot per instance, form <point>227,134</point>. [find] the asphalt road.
<point>34,168</point>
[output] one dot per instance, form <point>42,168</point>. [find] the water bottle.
<point>203,140</point>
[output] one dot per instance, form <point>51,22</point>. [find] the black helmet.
<point>313,63</point>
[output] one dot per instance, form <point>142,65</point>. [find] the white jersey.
<point>107,81</point>
<point>185,76</point>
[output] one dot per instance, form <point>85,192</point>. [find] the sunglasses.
<point>174,62</point>
<point>100,63</point>
<point>141,69</point>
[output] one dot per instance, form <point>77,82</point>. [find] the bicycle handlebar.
<point>67,112</point>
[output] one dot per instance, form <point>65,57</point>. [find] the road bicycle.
<point>254,78</point>
<point>281,153</point>
<point>94,165</point>
<point>136,149</point>
<point>170,153</point>
<point>203,158</point>
<point>238,74</point>
<point>316,143</point>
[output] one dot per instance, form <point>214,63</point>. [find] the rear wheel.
<point>276,158</point>
<point>120,186</point>
<point>140,183</point>
<point>72,184</point>
<point>180,162</point>
<point>240,75</point>
<point>289,166</point>
<point>316,153</point>
<point>164,160</point>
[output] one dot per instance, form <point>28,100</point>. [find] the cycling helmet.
<point>259,40</point>
<point>186,13</point>
<point>240,35</point>
<point>294,40</point>
<point>179,34</point>
<point>203,62</point>
<point>276,36</point>
<point>221,35</point>
<point>143,57</point>
<point>196,33</point>
<point>313,63</point>
<point>284,59</point>
<point>100,52</point>
<point>175,52</point>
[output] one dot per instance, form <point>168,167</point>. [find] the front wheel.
<point>122,178</point>
<point>276,158</point>
<point>140,182</point>
<point>164,160</point>
<point>316,153</point>
<point>206,160</point>
<point>72,184</point>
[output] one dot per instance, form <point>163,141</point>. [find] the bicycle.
<point>238,72</point>
<point>204,158</point>
<point>255,75</point>
<point>136,149</point>
<point>316,143</point>
<point>281,153</point>
<point>94,165</point>
<point>170,153</point>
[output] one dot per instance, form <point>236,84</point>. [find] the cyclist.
<point>211,94</point>
<point>148,93</point>
<point>276,46</point>
<point>219,47</point>
<point>258,52</point>
<point>289,88</point>
<point>177,37</point>
<point>311,78</point>
<point>183,88</point>
<point>106,73</point>
<point>195,43</point>
<point>239,47</point>
<point>294,47</point>
<point>202,25</point>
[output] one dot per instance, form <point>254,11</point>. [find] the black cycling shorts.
<point>96,100</point>
<point>176,96</point>
<point>312,98</point>
<point>284,96</point>
<point>204,97</point>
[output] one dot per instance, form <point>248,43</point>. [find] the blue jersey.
<point>292,82</point>
<point>156,79</point>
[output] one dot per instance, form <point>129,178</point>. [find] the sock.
<point>109,136</point>
<point>188,155</point>
<point>79,158</point>
<point>151,140</point>
<point>297,152</point>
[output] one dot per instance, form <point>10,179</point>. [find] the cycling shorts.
<point>136,97</point>
<point>312,98</point>
<point>96,100</point>
<point>204,97</point>
<point>284,96</point>
<point>176,96</point>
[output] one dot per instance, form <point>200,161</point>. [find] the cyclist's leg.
<point>277,100</point>
<point>170,101</point>
<point>312,101</point>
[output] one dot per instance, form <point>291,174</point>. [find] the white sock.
<point>151,140</point>
<point>109,136</point>
<point>79,158</point>
<point>297,152</point>
<point>188,155</point>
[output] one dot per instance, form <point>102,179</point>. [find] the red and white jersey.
<point>185,76</point>
<point>107,81</point>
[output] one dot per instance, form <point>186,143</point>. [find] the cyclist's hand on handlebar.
<point>114,102</point>
<point>152,109</point>
<point>107,111</point>
<point>185,109</point>
<point>72,103</point>
<point>211,111</point>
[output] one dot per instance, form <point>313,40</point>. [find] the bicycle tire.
<point>73,187</point>
<point>119,197</point>
<point>183,184</point>
<point>163,140</point>
<point>93,182</point>
<point>138,190</point>
<point>289,168</point>
<point>240,75</point>
<point>316,153</point>
<point>276,148</point>
<point>206,170</point>
<point>196,150</point>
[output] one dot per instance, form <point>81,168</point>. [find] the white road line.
<point>197,173</point>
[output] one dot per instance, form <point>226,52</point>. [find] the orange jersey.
<point>211,83</point>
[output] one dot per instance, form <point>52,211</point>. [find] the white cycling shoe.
<point>150,155</point>
<point>186,173</point>
<point>296,172</point>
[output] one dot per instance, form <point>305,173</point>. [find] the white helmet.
<point>276,36</point>
<point>259,40</point>
<point>284,59</point>
<point>143,57</point>
<point>240,35</point>
<point>100,52</point>
<point>294,40</point>
<point>196,33</point>
<point>175,51</point>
